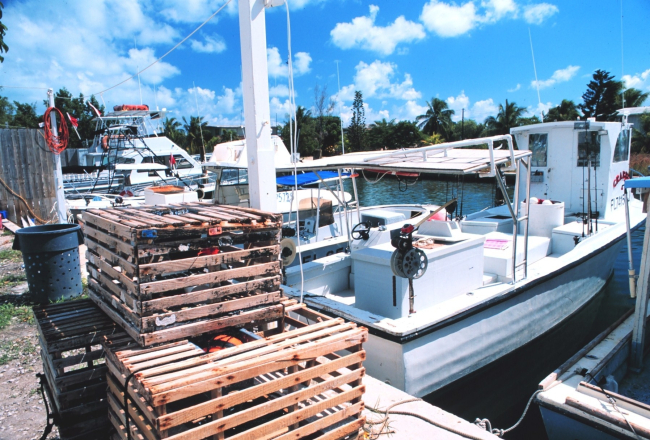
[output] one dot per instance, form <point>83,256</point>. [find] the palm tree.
<point>566,111</point>
<point>437,118</point>
<point>633,98</point>
<point>170,128</point>
<point>194,128</point>
<point>509,116</point>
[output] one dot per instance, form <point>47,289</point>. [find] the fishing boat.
<point>602,391</point>
<point>445,298</point>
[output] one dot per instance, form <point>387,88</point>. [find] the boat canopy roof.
<point>310,177</point>
<point>639,182</point>
<point>130,114</point>
<point>448,158</point>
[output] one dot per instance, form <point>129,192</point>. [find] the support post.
<point>58,174</point>
<point>630,261</point>
<point>638,333</point>
<point>255,88</point>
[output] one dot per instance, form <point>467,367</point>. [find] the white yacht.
<point>444,298</point>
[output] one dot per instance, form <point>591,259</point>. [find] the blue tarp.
<point>639,182</point>
<point>307,178</point>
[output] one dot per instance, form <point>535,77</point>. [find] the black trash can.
<point>51,257</point>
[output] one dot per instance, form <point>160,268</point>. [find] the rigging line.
<point>168,52</point>
<point>622,59</point>
<point>539,99</point>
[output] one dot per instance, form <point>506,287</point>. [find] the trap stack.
<point>69,335</point>
<point>166,273</point>
<point>304,381</point>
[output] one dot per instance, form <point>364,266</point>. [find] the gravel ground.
<point>22,411</point>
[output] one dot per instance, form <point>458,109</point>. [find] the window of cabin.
<point>182,163</point>
<point>622,149</point>
<point>538,145</point>
<point>588,148</point>
<point>152,159</point>
<point>233,176</point>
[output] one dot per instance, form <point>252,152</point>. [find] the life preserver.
<point>220,342</point>
<point>126,193</point>
<point>105,143</point>
<point>125,107</point>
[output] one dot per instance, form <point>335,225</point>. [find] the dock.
<point>405,427</point>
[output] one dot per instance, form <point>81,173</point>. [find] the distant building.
<point>238,131</point>
<point>634,115</point>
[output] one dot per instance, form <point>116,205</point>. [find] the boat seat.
<point>498,252</point>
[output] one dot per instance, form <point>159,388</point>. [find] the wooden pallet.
<point>70,334</point>
<point>151,268</point>
<point>300,383</point>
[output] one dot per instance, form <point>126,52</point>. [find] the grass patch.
<point>10,311</point>
<point>11,255</point>
<point>11,350</point>
<point>12,279</point>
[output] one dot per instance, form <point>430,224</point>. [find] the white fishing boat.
<point>602,391</point>
<point>459,294</point>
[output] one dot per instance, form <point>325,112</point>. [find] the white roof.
<point>633,110</point>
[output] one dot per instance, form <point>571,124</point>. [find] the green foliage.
<point>357,127</point>
<point>25,115</point>
<point>195,134</point>
<point>10,311</point>
<point>391,135</point>
<point>14,349</point>
<point>7,110</point>
<point>305,126</point>
<point>437,119</point>
<point>509,116</point>
<point>3,46</point>
<point>599,100</point>
<point>566,111</point>
<point>79,109</point>
<point>468,129</point>
<point>641,137</point>
<point>633,98</point>
<point>528,121</point>
<point>11,255</point>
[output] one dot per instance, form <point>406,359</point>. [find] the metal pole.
<point>340,115</point>
<point>345,208</point>
<point>58,174</point>
<point>255,88</point>
<point>356,196</point>
<point>638,333</point>
<point>630,267</point>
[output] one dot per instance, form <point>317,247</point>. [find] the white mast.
<point>58,176</point>
<point>257,113</point>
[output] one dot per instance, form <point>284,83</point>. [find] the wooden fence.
<point>27,167</point>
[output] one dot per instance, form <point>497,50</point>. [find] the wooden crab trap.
<point>303,382</point>
<point>70,334</point>
<point>166,273</point>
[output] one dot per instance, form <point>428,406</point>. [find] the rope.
<point>56,142</point>
<point>15,194</point>
<point>384,422</point>
<point>168,52</point>
<point>485,423</point>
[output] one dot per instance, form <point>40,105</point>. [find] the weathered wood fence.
<point>27,167</point>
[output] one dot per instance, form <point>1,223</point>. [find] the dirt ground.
<point>22,411</point>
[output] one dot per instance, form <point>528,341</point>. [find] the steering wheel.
<point>361,231</point>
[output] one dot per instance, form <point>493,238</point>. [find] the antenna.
<point>539,99</point>
<point>137,69</point>
<point>198,116</point>
<point>155,97</point>
<point>622,59</point>
<point>338,77</point>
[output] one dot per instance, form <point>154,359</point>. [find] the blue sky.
<point>472,54</point>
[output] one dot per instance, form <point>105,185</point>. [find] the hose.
<point>56,142</point>
<point>15,194</point>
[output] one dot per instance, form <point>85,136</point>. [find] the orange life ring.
<point>220,342</point>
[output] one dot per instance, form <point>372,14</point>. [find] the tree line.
<point>321,131</point>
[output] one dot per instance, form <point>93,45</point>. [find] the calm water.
<point>500,393</point>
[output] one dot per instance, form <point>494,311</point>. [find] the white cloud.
<point>375,80</point>
<point>212,44</point>
<point>537,14</point>
<point>539,108</point>
<point>514,89</point>
<point>477,111</point>
<point>638,80</point>
<point>364,34</point>
<point>449,20</point>
<point>278,67</point>
<point>195,11</point>
<point>410,110</point>
<point>559,76</point>
<point>280,91</point>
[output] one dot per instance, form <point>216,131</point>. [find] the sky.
<point>473,54</point>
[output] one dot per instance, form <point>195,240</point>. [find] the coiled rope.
<point>384,422</point>
<point>485,423</point>
<point>29,208</point>
<point>56,142</point>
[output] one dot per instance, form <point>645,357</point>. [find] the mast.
<point>257,114</point>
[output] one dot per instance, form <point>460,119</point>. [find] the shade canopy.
<point>639,182</point>
<point>308,178</point>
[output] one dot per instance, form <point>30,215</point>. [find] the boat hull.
<point>433,360</point>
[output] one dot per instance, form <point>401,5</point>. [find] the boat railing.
<point>444,147</point>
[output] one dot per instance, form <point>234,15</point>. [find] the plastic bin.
<point>51,257</point>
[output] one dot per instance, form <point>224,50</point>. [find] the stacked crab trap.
<point>197,339</point>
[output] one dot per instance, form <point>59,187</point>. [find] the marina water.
<point>500,391</point>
